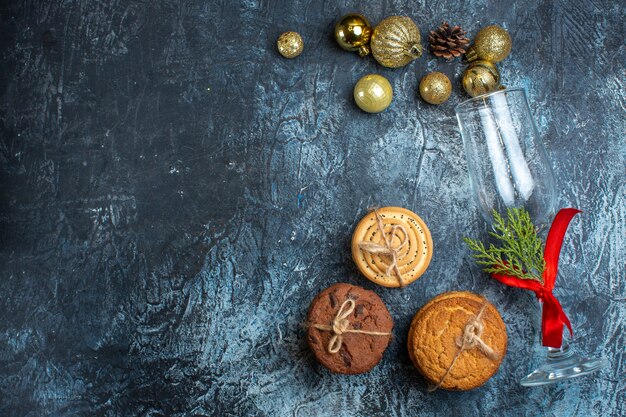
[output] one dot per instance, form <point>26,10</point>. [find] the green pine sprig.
<point>520,251</point>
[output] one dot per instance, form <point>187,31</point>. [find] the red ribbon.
<point>552,316</point>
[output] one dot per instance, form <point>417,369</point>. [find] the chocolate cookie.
<point>349,328</point>
<point>399,256</point>
<point>457,341</point>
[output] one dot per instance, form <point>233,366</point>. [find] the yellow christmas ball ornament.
<point>481,77</point>
<point>396,41</point>
<point>290,44</point>
<point>435,88</point>
<point>353,32</point>
<point>492,43</point>
<point>373,93</point>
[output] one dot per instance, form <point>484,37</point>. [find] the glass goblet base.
<point>562,364</point>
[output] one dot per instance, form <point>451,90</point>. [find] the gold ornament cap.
<point>290,44</point>
<point>373,93</point>
<point>435,88</point>
<point>353,32</point>
<point>407,236</point>
<point>481,77</point>
<point>491,43</point>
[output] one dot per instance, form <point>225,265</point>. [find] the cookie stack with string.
<point>456,341</point>
<point>392,246</point>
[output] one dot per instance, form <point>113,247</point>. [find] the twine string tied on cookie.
<point>341,326</point>
<point>387,249</point>
<point>470,339</point>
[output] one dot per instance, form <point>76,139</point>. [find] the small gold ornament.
<point>353,32</point>
<point>396,41</point>
<point>492,43</point>
<point>290,44</point>
<point>481,77</point>
<point>373,93</point>
<point>435,88</point>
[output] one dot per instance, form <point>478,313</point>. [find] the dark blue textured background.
<point>173,193</point>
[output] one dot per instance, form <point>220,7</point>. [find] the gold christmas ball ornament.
<point>373,93</point>
<point>290,44</point>
<point>481,77</point>
<point>353,32</point>
<point>492,43</point>
<point>396,41</point>
<point>435,88</point>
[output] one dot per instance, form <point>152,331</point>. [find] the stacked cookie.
<point>457,341</point>
<point>349,328</point>
<point>392,246</point>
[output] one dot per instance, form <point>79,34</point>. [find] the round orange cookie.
<point>414,249</point>
<point>435,331</point>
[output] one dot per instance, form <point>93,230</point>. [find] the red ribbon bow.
<point>552,316</point>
